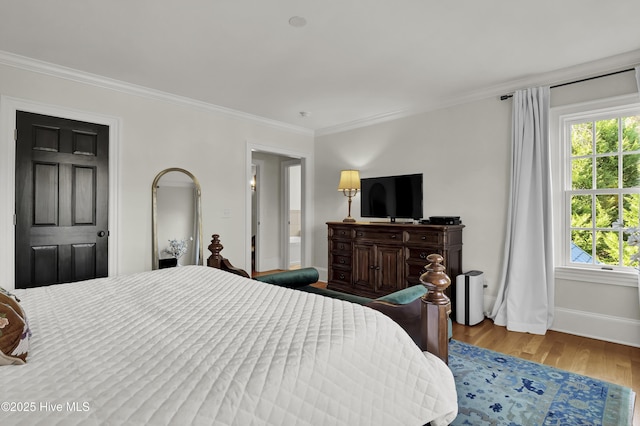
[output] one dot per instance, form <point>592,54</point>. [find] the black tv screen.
<point>392,197</point>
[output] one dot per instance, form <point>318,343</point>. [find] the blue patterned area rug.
<point>498,389</point>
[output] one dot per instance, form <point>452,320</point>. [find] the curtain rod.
<point>505,97</point>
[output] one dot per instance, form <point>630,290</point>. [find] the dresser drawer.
<point>420,254</point>
<point>339,232</point>
<point>340,276</point>
<point>379,236</point>
<point>339,260</point>
<point>425,237</point>
<point>340,247</point>
<point>413,273</point>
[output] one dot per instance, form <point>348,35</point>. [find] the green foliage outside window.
<point>601,193</point>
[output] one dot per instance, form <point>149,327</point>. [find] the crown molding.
<point>589,69</point>
<point>58,71</point>
<point>564,75</point>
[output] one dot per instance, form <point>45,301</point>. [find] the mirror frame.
<point>154,214</point>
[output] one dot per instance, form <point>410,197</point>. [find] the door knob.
<point>101,234</point>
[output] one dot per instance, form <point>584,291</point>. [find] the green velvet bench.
<point>425,319</point>
<point>403,306</point>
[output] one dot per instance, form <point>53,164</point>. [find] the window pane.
<point>631,207</point>
<point>605,187</point>
<point>607,136</point>
<point>606,210</point>
<point>607,172</point>
<point>607,247</point>
<point>582,139</point>
<point>581,247</point>
<point>631,171</point>
<point>581,211</point>
<point>630,132</point>
<point>581,173</point>
<point>628,252</point>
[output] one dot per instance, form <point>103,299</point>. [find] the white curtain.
<point>526,296</point>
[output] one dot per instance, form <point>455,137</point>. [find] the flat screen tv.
<point>395,197</point>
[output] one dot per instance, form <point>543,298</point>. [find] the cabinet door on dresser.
<point>378,269</point>
<point>364,256</point>
<point>389,269</point>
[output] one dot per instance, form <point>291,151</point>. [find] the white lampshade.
<point>349,180</point>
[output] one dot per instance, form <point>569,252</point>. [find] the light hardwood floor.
<point>594,358</point>
<point>601,360</point>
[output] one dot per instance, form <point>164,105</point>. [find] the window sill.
<point>599,276</point>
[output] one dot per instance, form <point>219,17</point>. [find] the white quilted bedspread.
<point>195,345</point>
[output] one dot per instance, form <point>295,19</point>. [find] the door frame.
<point>306,162</point>
<point>8,108</point>
<point>286,211</point>
<point>259,179</point>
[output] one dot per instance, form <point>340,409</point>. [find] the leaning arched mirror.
<point>176,219</point>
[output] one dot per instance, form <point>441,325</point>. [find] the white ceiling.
<point>355,60</point>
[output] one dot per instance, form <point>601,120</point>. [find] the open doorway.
<point>292,173</point>
<point>277,211</point>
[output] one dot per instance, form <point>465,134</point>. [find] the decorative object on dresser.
<point>375,259</point>
<point>349,185</point>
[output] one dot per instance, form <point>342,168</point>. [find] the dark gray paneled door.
<point>62,198</point>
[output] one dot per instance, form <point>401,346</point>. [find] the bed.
<point>198,345</point>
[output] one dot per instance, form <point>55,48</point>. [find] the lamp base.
<point>348,219</point>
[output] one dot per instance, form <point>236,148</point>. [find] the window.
<point>600,163</point>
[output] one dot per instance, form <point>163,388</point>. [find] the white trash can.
<point>469,298</point>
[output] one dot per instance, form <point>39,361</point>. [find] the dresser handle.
<point>423,255</point>
<point>342,261</point>
<point>393,237</point>
<point>424,237</point>
<point>360,234</point>
<point>342,276</point>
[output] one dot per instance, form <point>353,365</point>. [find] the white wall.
<point>156,134</point>
<point>464,153</point>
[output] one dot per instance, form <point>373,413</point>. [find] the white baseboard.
<point>588,324</point>
<point>323,272</point>
<point>597,326</point>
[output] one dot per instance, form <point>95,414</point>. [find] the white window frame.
<point>560,117</point>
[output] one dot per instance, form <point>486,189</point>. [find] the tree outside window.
<point>604,189</point>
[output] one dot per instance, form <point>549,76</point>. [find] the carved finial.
<point>436,281</point>
<point>215,248</point>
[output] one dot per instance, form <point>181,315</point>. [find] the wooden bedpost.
<point>436,308</point>
<point>217,261</point>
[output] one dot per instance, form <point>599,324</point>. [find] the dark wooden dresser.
<point>375,259</point>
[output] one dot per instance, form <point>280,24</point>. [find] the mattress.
<point>196,345</point>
